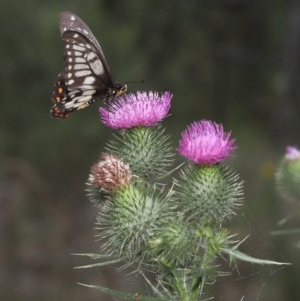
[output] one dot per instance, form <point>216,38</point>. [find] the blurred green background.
<point>232,61</point>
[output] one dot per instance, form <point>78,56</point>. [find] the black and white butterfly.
<point>86,77</point>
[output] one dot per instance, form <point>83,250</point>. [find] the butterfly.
<point>86,77</point>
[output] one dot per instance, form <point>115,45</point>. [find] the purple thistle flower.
<point>205,143</point>
<point>134,110</point>
<point>292,153</point>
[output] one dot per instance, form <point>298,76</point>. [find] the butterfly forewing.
<point>86,77</point>
<point>83,66</point>
<point>70,22</point>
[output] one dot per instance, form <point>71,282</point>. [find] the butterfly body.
<point>86,77</point>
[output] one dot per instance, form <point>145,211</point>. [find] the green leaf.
<point>99,264</point>
<point>168,173</point>
<point>235,254</point>
<point>93,255</point>
<point>126,296</point>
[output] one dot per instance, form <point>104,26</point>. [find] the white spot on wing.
<point>73,92</point>
<point>70,67</point>
<point>65,29</point>
<point>79,60</point>
<point>91,56</point>
<point>89,92</point>
<point>69,75</point>
<point>85,98</point>
<point>78,101</point>
<point>72,18</point>
<point>74,103</point>
<point>77,53</point>
<point>83,73</point>
<point>76,98</point>
<point>85,31</point>
<point>69,52</point>
<point>76,47</point>
<point>75,35</point>
<point>89,80</point>
<point>71,81</point>
<point>81,66</point>
<point>95,63</point>
<point>87,87</point>
<point>88,46</point>
<point>70,60</point>
<point>97,67</point>
<point>68,46</point>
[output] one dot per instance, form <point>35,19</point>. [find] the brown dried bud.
<point>109,173</point>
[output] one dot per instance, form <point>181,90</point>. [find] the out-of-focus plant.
<point>287,179</point>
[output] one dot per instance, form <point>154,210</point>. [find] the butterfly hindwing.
<point>66,100</point>
<point>86,77</point>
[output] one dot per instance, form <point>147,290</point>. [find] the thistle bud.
<point>109,173</point>
<point>287,176</point>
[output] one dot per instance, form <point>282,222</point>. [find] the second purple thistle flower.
<point>133,110</point>
<point>205,143</point>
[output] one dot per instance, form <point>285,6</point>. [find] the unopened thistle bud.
<point>109,173</point>
<point>288,175</point>
<point>135,212</point>
<point>174,244</point>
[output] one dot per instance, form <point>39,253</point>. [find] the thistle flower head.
<point>205,143</point>
<point>133,110</point>
<point>292,153</point>
<point>109,173</point>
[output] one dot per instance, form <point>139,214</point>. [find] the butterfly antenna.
<point>134,70</point>
<point>135,82</point>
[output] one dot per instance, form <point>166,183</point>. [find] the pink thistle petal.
<point>134,110</point>
<point>292,153</point>
<point>206,143</point>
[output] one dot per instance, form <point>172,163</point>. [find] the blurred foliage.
<point>233,61</point>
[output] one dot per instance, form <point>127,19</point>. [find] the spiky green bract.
<point>173,244</point>
<point>287,179</point>
<point>187,278</point>
<point>134,212</point>
<point>94,194</point>
<point>208,194</point>
<point>146,149</point>
<point>212,241</point>
<point>178,245</point>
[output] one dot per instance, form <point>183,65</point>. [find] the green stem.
<point>181,287</point>
<point>185,290</point>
